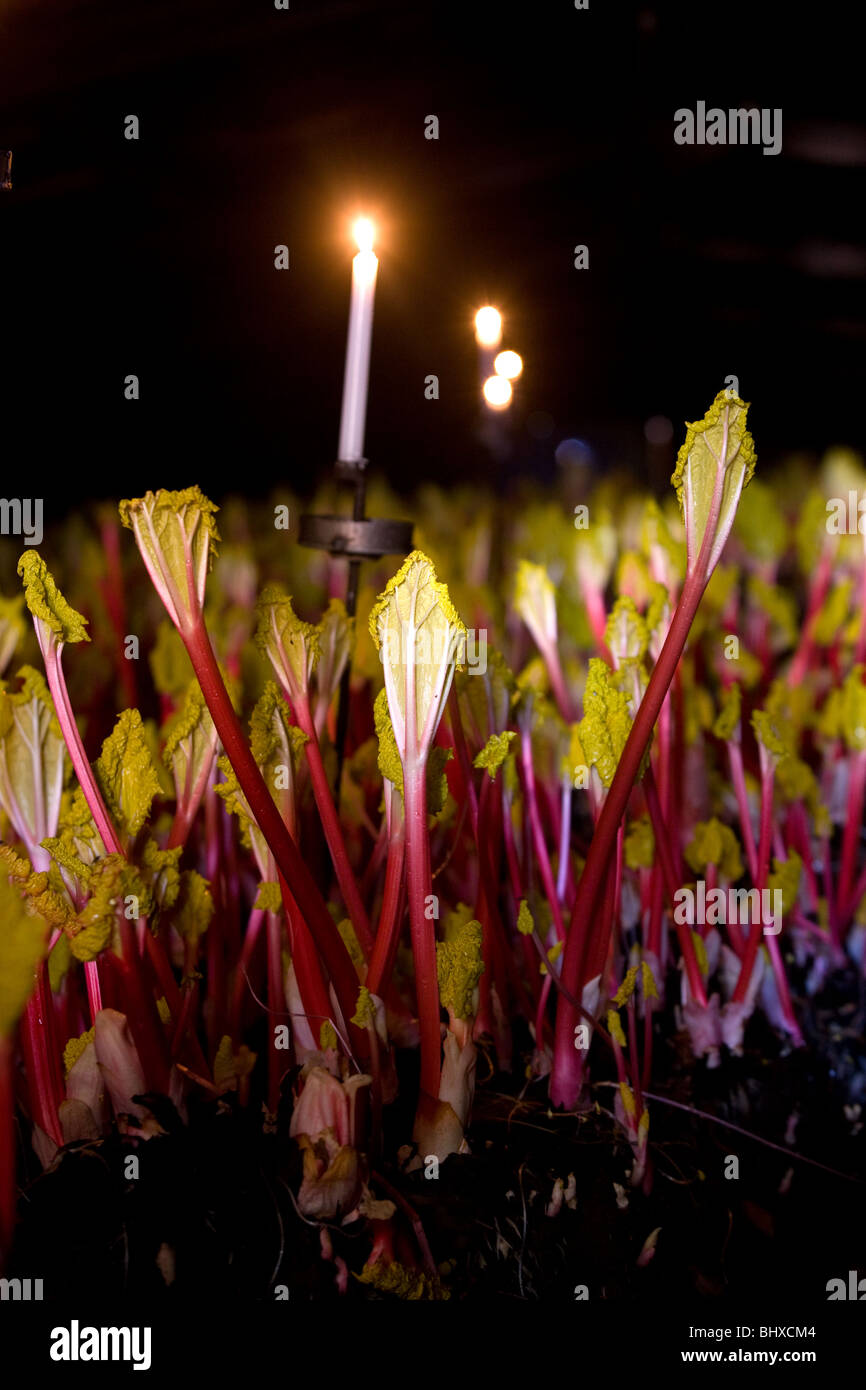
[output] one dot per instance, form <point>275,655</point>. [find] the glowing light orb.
<point>509,365</point>
<point>488,327</point>
<point>497,392</point>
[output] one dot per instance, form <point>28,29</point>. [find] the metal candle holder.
<point>353,538</point>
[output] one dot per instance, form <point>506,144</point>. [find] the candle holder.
<point>354,538</point>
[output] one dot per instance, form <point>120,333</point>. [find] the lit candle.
<point>488,327</point>
<point>353,419</point>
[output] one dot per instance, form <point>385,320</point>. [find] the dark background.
<point>261,127</point>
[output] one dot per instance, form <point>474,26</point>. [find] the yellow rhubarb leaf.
<point>176,534</point>
<point>713,466</point>
<point>126,774</point>
<point>420,639</point>
<point>459,965</point>
<point>606,722</point>
<point>55,618</point>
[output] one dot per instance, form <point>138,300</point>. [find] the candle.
<point>488,336</point>
<point>353,419</point>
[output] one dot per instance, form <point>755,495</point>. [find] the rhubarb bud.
<point>420,639</point>
<point>56,622</point>
<point>714,464</point>
<point>176,534</point>
<point>32,759</point>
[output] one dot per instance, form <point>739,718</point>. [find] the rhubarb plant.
<point>418,634</point>
<point>714,464</point>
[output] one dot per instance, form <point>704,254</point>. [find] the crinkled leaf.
<point>388,759</point>
<point>436,780</point>
<point>112,881</point>
<point>525,924</point>
<point>194,907</point>
<point>126,774</point>
<point>291,646</point>
<point>47,604</point>
<point>713,842</point>
<point>718,445</point>
<point>494,752</point>
<point>75,1048</point>
<point>420,639</point>
<point>627,988</point>
<point>32,758</point>
<point>365,1014</point>
<point>269,897</point>
<point>771,733</point>
<point>626,632</point>
<point>606,722</point>
<point>460,964</point>
<point>176,534</point>
<point>614,1027</point>
<point>639,847</point>
<point>336,639</point>
<point>160,869</point>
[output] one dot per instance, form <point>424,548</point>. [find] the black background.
<point>261,127</point>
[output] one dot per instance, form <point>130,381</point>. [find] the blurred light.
<point>497,392</point>
<point>488,327</point>
<point>658,430</point>
<point>509,365</point>
<point>573,453</point>
<point>363,231</point>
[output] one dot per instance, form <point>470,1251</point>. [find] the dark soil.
<point>217,1192</point>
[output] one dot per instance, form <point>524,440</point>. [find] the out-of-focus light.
<point>497,392</point>
<point>573,453</point>
<point>363,232</point>
<point>658,430</point>
<point>509,365</point>
<point>488,327</point>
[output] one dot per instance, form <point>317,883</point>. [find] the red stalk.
<point>420,888</point>
<point>289,860</point>
<point>332,829</point>
<point>387,935</point>
<point>754,939</point>
<point>595,870</point>
<point>42,1057</point>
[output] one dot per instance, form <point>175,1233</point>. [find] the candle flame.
<point>488,327</point>
<point>508,364</point>
<point>363,232</point>
<point>497,392</point>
